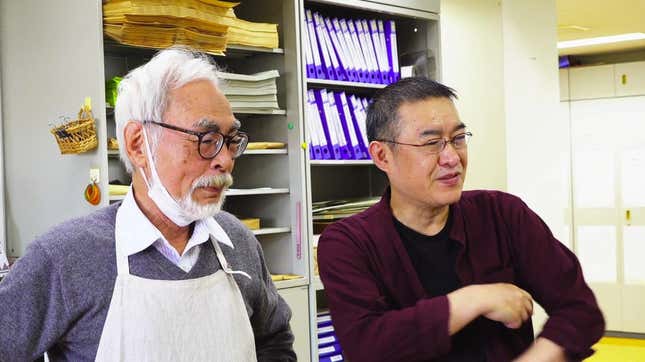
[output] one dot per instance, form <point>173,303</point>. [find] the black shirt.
<point>434,258</point>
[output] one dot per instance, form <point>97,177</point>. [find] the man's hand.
<point>500,302</point>
<point>506,303</point>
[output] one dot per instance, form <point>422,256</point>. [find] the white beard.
<point>199,211</point>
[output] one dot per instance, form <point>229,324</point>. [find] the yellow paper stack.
<point>207,25</point>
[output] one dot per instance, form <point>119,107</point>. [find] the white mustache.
<point>222,181</point>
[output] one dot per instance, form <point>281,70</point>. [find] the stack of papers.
<point>338,209</point>
<point>265,145</point>
<point>118,190</point>
<point>325,213</point>
<point>244,32</point>
<point>207,25</point>
<point>254,92</point>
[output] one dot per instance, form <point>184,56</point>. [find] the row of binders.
<point>353,50</point>
<point>336,125</point>
<point>329,349</point>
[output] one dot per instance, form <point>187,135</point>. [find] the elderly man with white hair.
<point>164,275</point>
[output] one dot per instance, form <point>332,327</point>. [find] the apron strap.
<point>122,262</point>
<point>224,263</point>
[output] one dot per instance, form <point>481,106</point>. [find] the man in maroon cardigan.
<point>434,273</point>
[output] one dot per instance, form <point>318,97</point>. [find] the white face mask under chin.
<point>185,211</point>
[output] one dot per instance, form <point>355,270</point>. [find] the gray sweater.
<point>57,295</point>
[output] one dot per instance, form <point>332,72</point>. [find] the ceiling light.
<point>573,27</point>
<point>600,40</point>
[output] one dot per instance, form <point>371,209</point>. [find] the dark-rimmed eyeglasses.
<point>438,144</point>
<point>210,143</point>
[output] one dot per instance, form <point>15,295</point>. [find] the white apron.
<point>201,319</point>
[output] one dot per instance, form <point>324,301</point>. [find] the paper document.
<point>269,74</point>
<point>4,264</point>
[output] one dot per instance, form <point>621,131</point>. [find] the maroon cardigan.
<point>380,310</point>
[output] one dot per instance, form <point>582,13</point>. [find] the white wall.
<point>51,58</point>
<point>537,142</point>
<point>3,235</point>
<point>501,57</point>
<point>473,64</point>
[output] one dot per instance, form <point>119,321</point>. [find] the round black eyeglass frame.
<point>239,138</point>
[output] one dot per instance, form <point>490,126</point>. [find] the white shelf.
<point>232,50</point>
<point>268,231</point>
<point>260,111</point>
<point>283,284</point>
<point>343,84</point>
<point>317,283</point>
<point>341,162</point>
<point>281,151</point>
<point>250,49</point>
<point>258,191</point>
<point>117,197</point>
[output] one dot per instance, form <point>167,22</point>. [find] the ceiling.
<point>579,19</point>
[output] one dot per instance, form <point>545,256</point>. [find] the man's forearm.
<point>543,350</point>
<point>462,309</point>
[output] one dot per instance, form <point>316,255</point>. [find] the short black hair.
<point>382,112</point>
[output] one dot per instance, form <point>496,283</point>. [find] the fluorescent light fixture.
<point>600,40</point>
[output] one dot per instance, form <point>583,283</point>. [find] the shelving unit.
<point>284,284</point>
<point>339,84</point>
<point>115,153</point>
<point>417,33</point>
<point>232,50</point>
<point>258,191</point>
<point>267,231</point>
<point>268,184</point>
<point>317,283</point>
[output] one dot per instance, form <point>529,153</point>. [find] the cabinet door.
<point>564,84</point>
<point>591,82</point>
<point>630,79</point>
<point>298,301</point>
<point>608,138</point>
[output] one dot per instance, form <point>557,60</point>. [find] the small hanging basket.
<point>77,136</point>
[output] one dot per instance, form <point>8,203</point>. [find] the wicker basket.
<point>77,136</point>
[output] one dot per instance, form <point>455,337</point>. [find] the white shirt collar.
<point>133,231</point>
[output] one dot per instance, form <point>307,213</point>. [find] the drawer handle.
<point>624,79</point>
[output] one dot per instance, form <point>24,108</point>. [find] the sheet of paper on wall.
<point>4,264</point>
